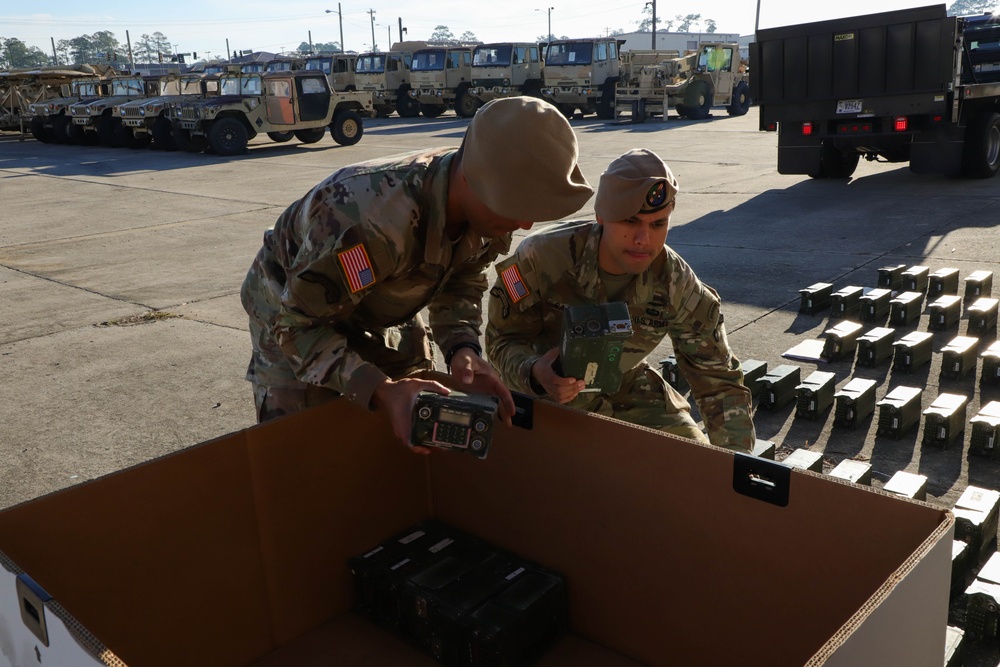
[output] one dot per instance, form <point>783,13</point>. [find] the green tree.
<point>14,53</point>
<point>468,37</point>
<point>441,34</point>
<point>102,46</point>
<point>710,26</point>
<point>320,47</point>
<point>970,7</point>
<point>684,23</point>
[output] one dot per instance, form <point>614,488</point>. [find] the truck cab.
<point>440,78</point>
<point>582,74</point>
<point>338,67</point>
<point>149,119</point>
<point>386,75</point>
<point>93,119</point>
<point>506,69</point>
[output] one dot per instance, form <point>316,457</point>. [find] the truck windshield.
<point>491,56</point>
<point>322,64</point>
<point>240,85</point>
<point>569,53</point>
<point>371,65</point>
<point>425,61</point>
<point>170,87</point>
<point>190,86</point>
<point>126,87</point>
<point>253,67</point>
<point>88,89</point>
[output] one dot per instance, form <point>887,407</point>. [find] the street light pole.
<point>549,37</point>
<point>374,45</point>
<point>652,4</point>
<point>340,20</point>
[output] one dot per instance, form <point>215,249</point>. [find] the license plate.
<point>849,106</point>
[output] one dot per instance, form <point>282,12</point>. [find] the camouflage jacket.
<point>363,252</point>
<point>557,267</point>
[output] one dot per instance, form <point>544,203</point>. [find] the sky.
<point>204,26</point>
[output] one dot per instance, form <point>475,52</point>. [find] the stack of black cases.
<point>465,602</point>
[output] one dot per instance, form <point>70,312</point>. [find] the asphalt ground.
<point>122,337</point>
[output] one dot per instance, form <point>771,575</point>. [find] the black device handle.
<point>524,411</point>
<point>762,479</point>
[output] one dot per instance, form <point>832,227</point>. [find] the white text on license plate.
<point>849,106</point>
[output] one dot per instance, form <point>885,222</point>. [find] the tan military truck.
<point>440,78</point>
<point>386,75</point>
<point>93,120</point>
<point>50,119</point>
<point>653,82</point>
<point>282,104</point>
<point>583,74</point>
<point>20,88</point>
<point>338,67</point>
<point>147,120</point>
<point>506,69</point>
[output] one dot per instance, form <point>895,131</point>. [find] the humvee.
<point>582,74</point>
<point>20,88</point>
<point>338,67</point>
<point>440,77</point>
<point>655,81</point>
<point>93,120</point>
<point>50,120</point>
<point>386,74</point>
<point>505,69</point>
<point>282,104</point>
<point>147,120</point>
<point>285,64</point>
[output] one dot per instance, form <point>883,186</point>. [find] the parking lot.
<point>122,337</point>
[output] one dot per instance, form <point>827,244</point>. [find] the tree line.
<point>102,46</point>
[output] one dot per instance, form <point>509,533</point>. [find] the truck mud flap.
<point>799,159</point>
<point>936,155</point>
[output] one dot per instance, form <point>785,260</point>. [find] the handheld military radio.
<point>456,421</point>
<point>592,342</point>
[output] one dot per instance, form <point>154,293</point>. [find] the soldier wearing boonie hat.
<point>332,292</point>
<point>622,257</point>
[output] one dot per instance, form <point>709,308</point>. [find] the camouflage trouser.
<point>647,400</point>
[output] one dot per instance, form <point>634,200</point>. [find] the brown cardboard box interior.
<point>235,551</point>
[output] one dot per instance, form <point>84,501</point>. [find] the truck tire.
<point>280,137</point>
<point>75,134</point>
<point>406,106</point>
<point>124,136</point>
<point>981,152</point>
<point>162,138</point>
<point>432,110</point>
<point>740,103</point>
<point>106,126</point>
<point>466,105</point>
<point>835,163</point>
<point>187,142</point>
<point>228,136</point>
<point>39,131</point>
<point>697,101</point>
<point>60,129</point>
<point>606,105</point>
<point>310,136</point>
<point>347,128</point>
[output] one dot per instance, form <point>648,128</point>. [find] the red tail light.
<point>900,123</point>
<point>807,128</point>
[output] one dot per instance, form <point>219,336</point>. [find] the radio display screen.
<point>454,417</point>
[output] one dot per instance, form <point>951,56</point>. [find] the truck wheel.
<point>124,136</point>
<point>347,128</point>
<point>162,137</point>
<point>187,142</point>
<point>406,106</point>
<point>280,137</point>
<point>60,130</point>
<point>432,110</point>
<point>740,103</point>
<point>606,105</point>
<point>466,105</point>
<point>39,131</point>
<point>75,134</point>
<point>382,111</point>
<point>310,136</point>
<point>835,163</point>
<point>697,101</point>
<point>981,153</point>
<point>228,137</point>
<point>106,127</point>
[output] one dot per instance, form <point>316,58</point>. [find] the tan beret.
<point>637,182</point>
<point>520,159</point>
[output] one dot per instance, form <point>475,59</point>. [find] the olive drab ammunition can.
<point>958,357</point>
<point>915,279</point>
<point>990,374</point>
<point>874,306</point>
<point>978,284</point>
<point>907,485</point>
<point>764,449</point>
<point>855,402</point>
<point>983,317</point>
<point>875,346</point>
<point>841,340</point>
<point>982,616</point>
<point>592,341</point>
<point>778,386</point>
<point>985,438</point>
<point>753,370</point>
<point>815,395</point>
<point>899,410</point>
<point>976,513</point>
<point>672,374</point>
<point>941,282</point>
<point>905,308</point>
<point>891,277</point>
<point>815,298</point>
<point>944,420</point>
<point>912,351</point>
<point>959,567</point>
<point>945,312</point>
<point>856,472</point>
<point>846,302</point>
<point>804,459</point>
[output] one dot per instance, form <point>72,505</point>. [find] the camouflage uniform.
<point>557,268</point>
<point>334,293</point>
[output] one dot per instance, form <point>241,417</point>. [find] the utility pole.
<point>131,60</point>
<point>229,54</point>
<point>311,50</point>
<point>55,58</point>
<point>401,29</point>
<point>652,4</point>
<point>548,38</point>
<point>372,13</point>
<point>340,19</point>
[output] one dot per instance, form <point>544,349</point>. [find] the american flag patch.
<point>357,268</point>
<point>514,284</point>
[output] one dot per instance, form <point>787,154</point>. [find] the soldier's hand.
<point>562,390</point>
<point>472,370</point>
<point>397,400</point>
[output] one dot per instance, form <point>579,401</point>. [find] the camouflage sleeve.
<point>515,324</point>
<point>456,313</point>
<point>699,339</point>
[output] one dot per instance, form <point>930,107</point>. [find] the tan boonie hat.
<point>637,182</point>
<point>520,159</point>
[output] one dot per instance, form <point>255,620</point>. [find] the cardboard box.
<point>234,552</point>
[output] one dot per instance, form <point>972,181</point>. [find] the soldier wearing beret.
<point>334,294</point>
<point>621,257</point>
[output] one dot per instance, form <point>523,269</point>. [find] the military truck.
<point>913,85</point>
<point>653,82</point>
<point>282,104</point>
<point>440,77</point>
<point>20,88</point>
<point>147,120</point>
<point>50,120</point>
<point>506,69</point>
<point>386,75</point>
<point>93,120</point>
<point>582,74</point>
<point>285,64</point>
<point>338,67</point>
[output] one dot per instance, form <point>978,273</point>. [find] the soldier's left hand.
<point>480,377</point>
